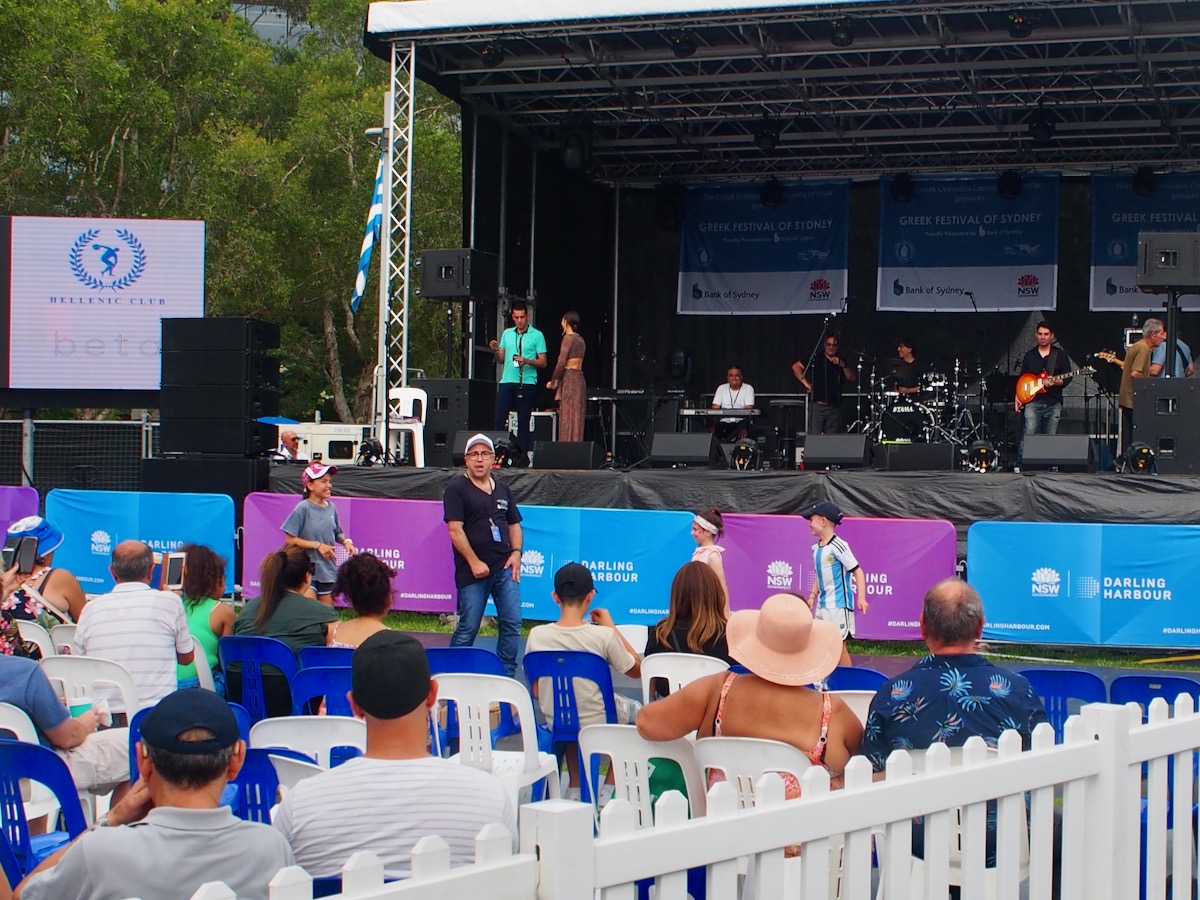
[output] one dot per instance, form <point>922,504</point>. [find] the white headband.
<point>705,524</point>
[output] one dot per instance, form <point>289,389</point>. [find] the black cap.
<point>573,580</point>
<point>187,709</point>
<point>826,509</point>
<point>389,675</point>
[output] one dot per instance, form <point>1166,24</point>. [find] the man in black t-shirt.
<point>1043,411</point>
<point>823,379</point>
<point>485,529</point>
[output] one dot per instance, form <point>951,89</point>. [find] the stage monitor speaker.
<point>457,274</point>
<point>460,443</point>
<point>1166,415</point>
<point>837,451</point>
<point>192,475</point>
<point>217,437</point>
<point>1057,453</point>
<point>217,401</point>
<point>941,457</point>
<point>684,450</point>
<point>188,367</point>
<point>227,333</point>
<point>567,455</point>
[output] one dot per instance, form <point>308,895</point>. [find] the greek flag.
<point>374,223</point>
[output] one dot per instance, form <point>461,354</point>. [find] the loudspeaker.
<point>567,455</point>
<point>461,437</point>
<point>1166,415</point>
<point>217,401</point>
<point>920,457</point>
<point>219,437</point>
<point>458,274</point>
<point>219,367</point>
<point>455,404</point>
<point>836,451</point>
<point>230,333</point>
<point>1057,453</point>
<point>233,477</point>
<point>680,450</point>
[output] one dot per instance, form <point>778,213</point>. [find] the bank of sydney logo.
<point>103,264</point>
<point>533,563</point>
<point>101,542</point>
<point>779,574</point>
<point>1046,582</point>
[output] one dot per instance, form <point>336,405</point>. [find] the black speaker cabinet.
<point>233,477</point>
<point>455,404</point>
<point>216,401</point>
<point>1057,453</point>
<point>837,451</point>
<point>218,437</point>
<point>458,274</point>
<point>682,450</point>
<point>230,333</point>
<point>941,457</point>
<point>567,455</point>
<point>461,438</point>
<point>219,367</point>
<point>1166,415</point>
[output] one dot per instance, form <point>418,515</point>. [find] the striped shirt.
<point>142,629</point>
<point>386,806</point>
<point>834,562</point>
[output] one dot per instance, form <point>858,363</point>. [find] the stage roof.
<point>924,86</point>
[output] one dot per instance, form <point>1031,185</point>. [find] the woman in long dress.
<point>567,382</point>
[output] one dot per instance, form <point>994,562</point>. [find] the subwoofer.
<point>837,451</point>
<point>686,450</point>
<point>567,455</point>
<point>1057,453</point>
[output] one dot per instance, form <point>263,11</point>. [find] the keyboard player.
<point>734,394</point>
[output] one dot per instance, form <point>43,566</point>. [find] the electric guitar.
<point>1029,386</point>
<point>1109,356</point>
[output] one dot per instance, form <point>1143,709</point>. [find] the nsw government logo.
<point>101,543</point>
<point>104,263</point>
<point>819,289</point>
<point>779,574</point>
<point>1045,582</point>
<point>533,564</point>
<point>1028,285</point>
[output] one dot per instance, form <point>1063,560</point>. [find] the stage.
<point>959,497</point>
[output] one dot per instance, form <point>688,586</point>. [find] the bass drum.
<point>907,422</point>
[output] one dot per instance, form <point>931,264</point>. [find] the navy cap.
<point>826,509</point>
<point>389,675</point>
<point>573,580</point>
<point>184,710</point>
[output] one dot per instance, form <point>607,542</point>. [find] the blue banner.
<point>1121,585</point>
<point>958,246</point>
<point>94,522</point>
<point>633,555</point>
<point>737,256</point>
<point>1118,215</point>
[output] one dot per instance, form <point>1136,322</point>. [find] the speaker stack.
<point>1166,416</point>
<point>455,404</point>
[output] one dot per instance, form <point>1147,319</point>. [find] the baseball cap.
<point>389,674</point>
<point>573,580</point>
<point>183,710</point>
<point>479,439</point>
<point>315,471</point>
<point>49,536</point>
<point>826,509</point>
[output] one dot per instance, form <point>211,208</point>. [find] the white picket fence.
<point>1097,774</point>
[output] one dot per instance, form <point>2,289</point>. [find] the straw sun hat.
<point>782,643</point>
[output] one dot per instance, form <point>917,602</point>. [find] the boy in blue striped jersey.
<point>830,597</point>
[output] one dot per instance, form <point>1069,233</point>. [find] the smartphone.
<point>6,558</point>
<point>172,572</point>
<point>26,554</point>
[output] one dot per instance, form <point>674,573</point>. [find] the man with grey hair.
<point>1137,365</point>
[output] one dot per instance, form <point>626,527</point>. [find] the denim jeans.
<point>472,600</point>
<point>510,396</point>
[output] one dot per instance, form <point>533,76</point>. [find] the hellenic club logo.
<point>1045,582</point>
<point>103,263</point>
<point>1028,285</point>
<point>101,543</point>
<point>779,574</point>
<point>818,289</point>
<point>533,563</point>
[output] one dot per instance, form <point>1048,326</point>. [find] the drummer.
<point>908,369</point>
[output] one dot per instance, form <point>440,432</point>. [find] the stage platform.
<point>959,497</point>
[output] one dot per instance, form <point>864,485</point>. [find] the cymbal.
<point>891,364</point>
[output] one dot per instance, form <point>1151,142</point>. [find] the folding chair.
<point>1058,687</point>
<point>677,669</point>
<point>251,653</point>
<point>316,736</point>
<point>35,633</point>
<point>39,764</point>
<point>325,656</point>
<point>330,682</point>
<point>855,678</point>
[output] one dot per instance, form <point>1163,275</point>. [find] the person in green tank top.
<point>208,618</point>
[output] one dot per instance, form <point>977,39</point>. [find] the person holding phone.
<point>49,596</point>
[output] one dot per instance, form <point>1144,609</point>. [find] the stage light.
<point>1008,185</point>
<point>1139,459</point>
<point>981,456</point>
<point>903,188</point>
<point>1020,24</point>
<point>745,456</point>
<point>841,35</point>
<point>766,138</point>
<point>492,54</point>
<point>771,195</point>
<point>1041,126</point>
<point>1144,182</point>
<point>575,144</point>
<point>683,44</point>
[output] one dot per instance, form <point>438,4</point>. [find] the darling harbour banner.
<point>738,256</point>
<point>1118,215</point>
<point>1122,585</point>
<point>958,246</point>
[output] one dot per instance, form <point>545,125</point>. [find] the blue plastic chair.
<point>135,735</point>
<point>252,653</point>
<point>330,682</point>
<point>1142,689</point>
<point>8,863</point>
<point>1058,687</point>
<point>21,760</point>
<point>243,719</point>
<point>561,666</point>
<point>471,661</point>
<point>855,678</point>
<point>257,784</point>
<point>325,656</point>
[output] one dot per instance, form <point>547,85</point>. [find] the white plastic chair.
<point>474,696</point>
<point>630,756</point>
<point>314,735</point>
<point>42,801</point>
<point>405,416</point>
<point>678,669</point>
<point>63,637</point>
<point>36,634</point>
<point>637,635</point>
<point>858,701</point>
<point>203,670</point>
<point>744,760</point>
<point>292,771</point>
<point>80,676</point>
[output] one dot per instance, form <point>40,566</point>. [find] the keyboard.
<point>720,413</point>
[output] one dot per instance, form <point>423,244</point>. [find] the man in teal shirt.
<point>521,351</point>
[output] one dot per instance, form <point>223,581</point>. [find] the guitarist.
<point>1043,412</point>
<point>1137,365</point>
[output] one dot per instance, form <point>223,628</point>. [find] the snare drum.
<point>907,422</point>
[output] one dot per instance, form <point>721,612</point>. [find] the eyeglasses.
<point>480,454</point>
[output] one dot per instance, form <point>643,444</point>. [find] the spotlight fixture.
<point>903,187</point>
<point>745,456</point>
<point>840,34</point>
<point>766,138</point>
<point>1020,24</point>
<point>683,44</point>
<point>981,457</point>
<point>1041,126</point>
<point>1144,182</point>
<point>771,194</point>
<point>492,54</point>
<point>1008,185</point>
<point>1139,459</point>
<point>575,144</point>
